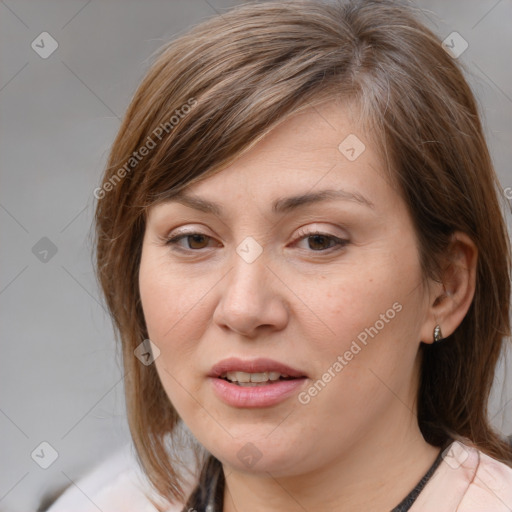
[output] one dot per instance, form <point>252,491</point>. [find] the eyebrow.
<point>280,206</point>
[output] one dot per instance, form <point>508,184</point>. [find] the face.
<point>325,289</point>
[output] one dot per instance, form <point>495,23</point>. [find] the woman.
<point>300,240</point>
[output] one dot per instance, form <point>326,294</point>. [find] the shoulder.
<point>492,484</point>
<point>467,480</point>
<point>118,484</point>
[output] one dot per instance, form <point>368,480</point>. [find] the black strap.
<point>407,502</point>
<point>208,496</point>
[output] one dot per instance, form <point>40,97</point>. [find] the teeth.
<point>259,377</point>
<point>244,378</point>
<point>239,376</point>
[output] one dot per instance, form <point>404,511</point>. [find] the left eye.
<point>320,239</point>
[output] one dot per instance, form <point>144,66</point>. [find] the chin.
<point>258,454</point>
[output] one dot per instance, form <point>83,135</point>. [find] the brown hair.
<point>241,73</point>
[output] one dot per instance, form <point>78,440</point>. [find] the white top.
<point>116,485</point>
<point>467,480</point>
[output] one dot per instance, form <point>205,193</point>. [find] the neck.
<point>376,473</point>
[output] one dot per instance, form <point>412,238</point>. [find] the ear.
<point>450,300</point>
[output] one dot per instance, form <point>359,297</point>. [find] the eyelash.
<point>339,243</point>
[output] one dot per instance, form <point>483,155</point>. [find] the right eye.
<point>193,241</point>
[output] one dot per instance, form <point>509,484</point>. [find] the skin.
<point>356,445</point>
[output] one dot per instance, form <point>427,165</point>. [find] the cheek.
<point>172,305</point>
<point>350,301</point>
<point>371,317</point>
<point>171,301</point>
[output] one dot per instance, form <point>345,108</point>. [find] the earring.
<point>438,336</point>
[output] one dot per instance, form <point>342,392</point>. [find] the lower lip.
<point>264,395</point>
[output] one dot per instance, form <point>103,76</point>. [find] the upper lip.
<point>259,365</point>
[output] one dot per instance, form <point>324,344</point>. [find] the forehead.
<point>320,153</point>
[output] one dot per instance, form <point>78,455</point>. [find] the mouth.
<point>245,379</point>
<point>255,383</point>
<point>255,371</point>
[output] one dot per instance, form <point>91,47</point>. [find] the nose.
<point>253,299</point>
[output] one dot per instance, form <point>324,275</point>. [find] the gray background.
<point>60,378</point>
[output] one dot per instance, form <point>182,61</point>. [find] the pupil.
<point>195,238</point>
<point>316,238</point>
